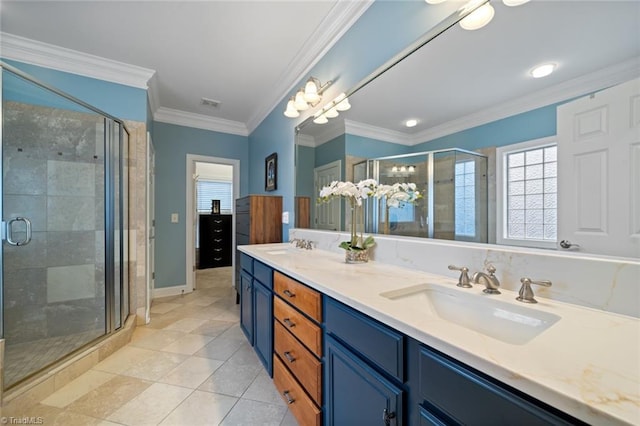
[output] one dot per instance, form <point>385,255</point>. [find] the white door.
<point>599,171</point>
<point>327,215</point>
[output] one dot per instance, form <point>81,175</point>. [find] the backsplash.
<point>605,283</point>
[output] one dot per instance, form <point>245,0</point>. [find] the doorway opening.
<point>213,185</point>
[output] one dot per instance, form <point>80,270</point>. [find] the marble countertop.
<point>587,364</point>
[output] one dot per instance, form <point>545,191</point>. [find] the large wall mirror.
<point>550,177</point>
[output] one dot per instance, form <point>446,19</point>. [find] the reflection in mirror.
<point>473,91</point>
<point>453,185</point>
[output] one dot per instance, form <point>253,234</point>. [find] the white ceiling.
<point>245,54</point>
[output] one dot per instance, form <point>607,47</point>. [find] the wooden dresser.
<point>258,221</point>
<point>215,240</point>
<point>297,347</point>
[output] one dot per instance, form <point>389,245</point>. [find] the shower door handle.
<point>27,238</point>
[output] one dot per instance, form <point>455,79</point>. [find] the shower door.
<point>53,211</point>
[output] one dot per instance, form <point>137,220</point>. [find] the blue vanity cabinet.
<point>263,314</point>
<point>364,369</point>
<point>445,391</point>
<point>256,308</point>
<point>246,305</point>
<point>356,393</point>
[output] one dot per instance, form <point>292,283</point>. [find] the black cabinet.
<point>215,241</point>
<point>357,394</point>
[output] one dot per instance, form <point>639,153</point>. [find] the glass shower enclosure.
<point>453,184</point>
<point>64,215</point>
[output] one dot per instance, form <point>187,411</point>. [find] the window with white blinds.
<point>207,190</point>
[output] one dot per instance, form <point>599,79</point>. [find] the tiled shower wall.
<point>53,170</point>
<point>53,165</point>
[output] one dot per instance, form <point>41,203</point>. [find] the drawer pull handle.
<point>288,323</point>
<point>388,416</point>
<point>218,240</point>
<point>217,259</point>
<point>217,221</point>
<point>289,294</point>
<point>217,230</point>
<point>288,397</point>
<point>217,249</point>
<point>289,357</point>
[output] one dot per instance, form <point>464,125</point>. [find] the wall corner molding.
<point>199,121</point>
<point>341,17</point>
<point>67,60</point>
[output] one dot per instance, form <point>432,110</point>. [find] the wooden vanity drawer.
<point>304,366</point>
<point>300,326</point>
<point>302,407</point>
<point>299,295</point>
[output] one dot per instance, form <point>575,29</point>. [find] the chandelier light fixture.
<point>307,97</point>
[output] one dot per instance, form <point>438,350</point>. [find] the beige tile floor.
<point>190,366</point>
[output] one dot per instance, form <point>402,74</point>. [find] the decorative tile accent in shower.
<point>70,282</point>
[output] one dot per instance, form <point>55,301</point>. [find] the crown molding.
<point>373,132</point>
<point>305,140</point>
<point>340,18</point>
<point>580,86</point>
<point>62,59</point>
<point>199,121</point>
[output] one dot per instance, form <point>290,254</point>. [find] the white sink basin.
<point>479,312</point>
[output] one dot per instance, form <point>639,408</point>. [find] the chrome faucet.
<point>463,281</point>
<point>491,282</point>
<point>526,293</point>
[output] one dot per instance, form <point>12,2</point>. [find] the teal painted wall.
<point>306,162</point>
<point>172,144</point>
<point>123,102</point>
<point>360,146</point>
<point>380,33</point>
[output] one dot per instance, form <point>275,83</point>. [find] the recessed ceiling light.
<point>542,70</point>
<point>478,18</point>
<point>411,123</point>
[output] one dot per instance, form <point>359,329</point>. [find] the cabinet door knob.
<point>388,416</point>
<point>288,323</point>
<point>288,356</point>
<point>288,397</point>
<point>288,293</point>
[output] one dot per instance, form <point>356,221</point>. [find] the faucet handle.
<point>491,269</point>
<point>525,294</point>
<point>463,281</point>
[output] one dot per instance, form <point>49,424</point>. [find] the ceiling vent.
<point>210,102</point>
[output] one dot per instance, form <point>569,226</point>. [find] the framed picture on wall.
<point>271,172</point>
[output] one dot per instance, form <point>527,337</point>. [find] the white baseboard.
<point>170,291</point>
